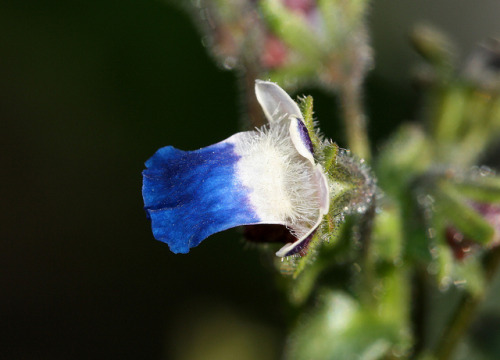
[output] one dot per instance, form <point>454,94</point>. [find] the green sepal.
<point>483,189</point>
<point>306,107</point>
<point>309,257</point>
<point>469,274</point>
<point>454,210</point>
<point>352,185</point>
<point>314,262</point>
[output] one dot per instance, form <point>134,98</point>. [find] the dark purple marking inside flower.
<point>303,246</point>
<point>304,135</point>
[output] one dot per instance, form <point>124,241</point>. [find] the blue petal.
<point>190,195</point>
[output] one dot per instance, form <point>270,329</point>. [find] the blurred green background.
<point>88,91</point>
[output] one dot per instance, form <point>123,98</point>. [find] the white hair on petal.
<point>283,186</point>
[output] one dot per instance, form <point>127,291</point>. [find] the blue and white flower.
<point>265,176</point>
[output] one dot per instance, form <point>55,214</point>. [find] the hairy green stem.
<point>355,121</point>
<point>465,312</point>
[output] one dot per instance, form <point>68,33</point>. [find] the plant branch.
<point>354,119</point>
<point>465,312</point>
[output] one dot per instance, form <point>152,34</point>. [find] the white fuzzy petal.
<point>283,184</point>
<point>324,204</point>
<point>323,189</point>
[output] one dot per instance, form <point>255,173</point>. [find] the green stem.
<point>355,121</point>
<point>465,312</point>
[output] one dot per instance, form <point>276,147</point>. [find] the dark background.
<point>88,91</point>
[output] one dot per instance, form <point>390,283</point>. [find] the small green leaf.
<point>330,152</point>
